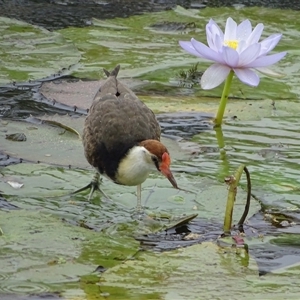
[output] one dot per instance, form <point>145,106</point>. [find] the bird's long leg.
<point>139,198</point>
<point>150,193</point>
<point>93,185</point>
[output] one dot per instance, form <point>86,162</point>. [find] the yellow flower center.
<point>232,44</point>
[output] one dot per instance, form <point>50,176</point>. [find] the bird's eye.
<point>155,160</point>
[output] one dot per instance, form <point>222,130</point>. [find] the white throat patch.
<point>135,167</point>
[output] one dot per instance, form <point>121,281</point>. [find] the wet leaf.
<point>177,273</point>
<point>207,197</point>
<point>63,252</point>
<point>254,125</point>
<point>182,221</point>
<point>80,94</point>
<point>59,144</point>
<point>50,144</point>
<point>16,137</point>
<point>155,56</point>
<point>31,52</point>
<point>58,124</point>
<point>77,93</point>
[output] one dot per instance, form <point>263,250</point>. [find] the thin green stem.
<point>220,137</point>
<point>233,183</point>
<point>224,98</point>
<point>247,206</point>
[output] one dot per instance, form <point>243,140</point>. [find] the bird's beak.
<point>165,169</point>
<point>167,172</point>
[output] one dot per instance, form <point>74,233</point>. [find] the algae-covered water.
<point>58,245</point>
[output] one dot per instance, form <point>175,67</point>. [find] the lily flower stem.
<point>231,199</point>
<point>224,98</point>
<point>221,142</point>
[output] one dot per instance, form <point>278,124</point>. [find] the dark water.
<point>278,254</point>
<point>20,100</point>
<point>56,14</point>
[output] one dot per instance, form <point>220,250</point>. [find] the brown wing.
<point>117,120</point>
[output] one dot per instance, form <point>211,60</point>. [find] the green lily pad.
<point>206,198</point>
<point>156,56</point>
<point>57,140</point>
<point>198,272</point>
<point>240,110</point>
<point>30,52</point>
<point>39,251</point>
<point>78,93</point>
<point>45,143</point>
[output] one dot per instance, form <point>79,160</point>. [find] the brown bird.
<point>121,138</point>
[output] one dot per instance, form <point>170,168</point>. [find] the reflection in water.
<point>184,124</point>
<point>22,287</point>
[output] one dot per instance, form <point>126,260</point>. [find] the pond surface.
<point>56,245</point>
<point>57,14</point>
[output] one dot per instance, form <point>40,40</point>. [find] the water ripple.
<point>23,287</point>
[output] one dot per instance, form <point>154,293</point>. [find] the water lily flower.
<point>237,50</point>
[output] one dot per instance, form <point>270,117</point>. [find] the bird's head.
<point>160,158</point>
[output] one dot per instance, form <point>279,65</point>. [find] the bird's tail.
<point>114,72</point>
<point>112,86</point>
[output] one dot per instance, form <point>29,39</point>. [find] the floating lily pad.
<point>255,129</point>
<point>30,52</point>
<point>153,55</point>
<point>78,93</point>
<point>39,251</point>
<point>45,143</point>
<point>57,140</point>
<point>206,197</point>
<point>189,272</point>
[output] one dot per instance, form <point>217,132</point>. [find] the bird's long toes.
<point>89,186</point>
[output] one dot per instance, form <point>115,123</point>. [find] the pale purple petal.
<point>243,30</point>
<point>249,54</point>
<point>256,34</point>
<point>187,46</point>
<point>266,61</point>
<point>247,76</point>
<point>213,31</point>
<point>230,30</point>
<point>210,37</point>
<point>230,56</point>
<point>219,42</point>
<point>269,43</point>
<point>241,46</point>
<point>214,76</point>
<point>206,52</point>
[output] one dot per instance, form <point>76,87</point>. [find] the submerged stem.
<point>233,183</point>
<point>221,142</point>
<point>247,206</point>
<point>224,98</point>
